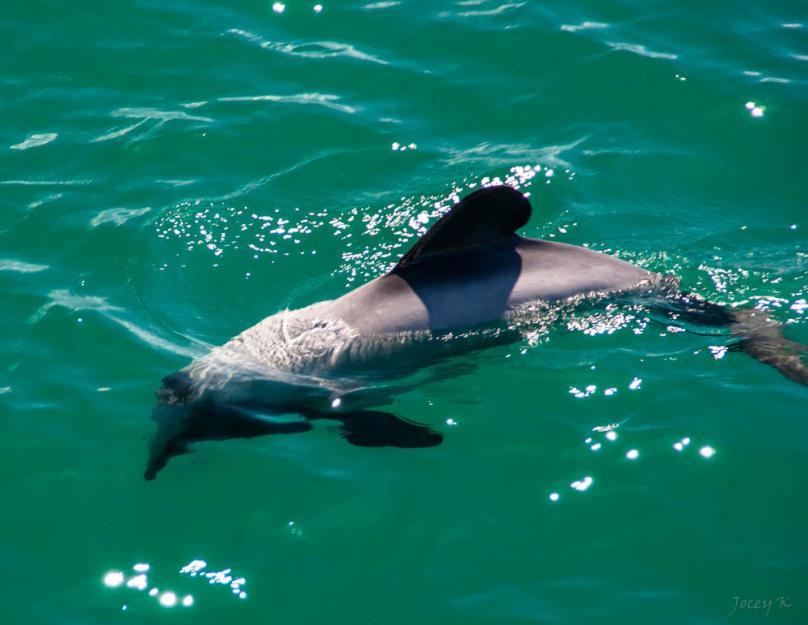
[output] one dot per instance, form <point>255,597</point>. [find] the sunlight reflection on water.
<point>169,598</point>
<point>222,228</point>
<point>616,452</point>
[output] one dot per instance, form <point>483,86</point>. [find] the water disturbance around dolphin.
<point>470,282</point>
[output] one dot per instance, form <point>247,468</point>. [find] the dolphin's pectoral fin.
<point>373,428</point>
<point>224,422</point>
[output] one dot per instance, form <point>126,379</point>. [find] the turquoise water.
<point>171,173</point>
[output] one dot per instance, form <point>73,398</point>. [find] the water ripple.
<point>498,10</point>
<point>46,183</point>
<point>312,49</point>
<point>63,298</point>
<point>641,50</point>
<point>326,100</point>
<point>145,114</point>
<point>374,6</point>
<point>120,132</point>
<point>573,28</point>
<point>496,155</point>
<point>19,266</point>
<point>35,140</point>
<point>118,216</point>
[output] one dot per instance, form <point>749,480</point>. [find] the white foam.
<point>572,28</point>
<point>20,267</point>
<point>35,140</point>
<point>641,50</point>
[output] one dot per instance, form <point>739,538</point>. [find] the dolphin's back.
<point>481,286</point>
<point>552,271</point>
<point>472,269</point>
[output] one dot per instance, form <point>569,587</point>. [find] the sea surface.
<point>171,172</point>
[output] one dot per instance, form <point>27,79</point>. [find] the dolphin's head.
<point>203,402</point>
<point>173,417</point>
<point>175,388</point>
<point>191,406</point>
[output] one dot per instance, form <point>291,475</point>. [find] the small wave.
<point>625,151</point>
<point>52,197</point>
<point>496,155</point>
<point>573,28</point>
<point>19,266</point>
<point>381,5</point>
<point>65,299</point>
<point>641,50</point>
<point>145,114</point>
<point>322,99</point>
<point>34,141</point>
<point>47,183</point>
<point>118,216</point>
<point>325,49</point>
<point>176,183</point>
<point>120,132</point>
<point>498,10</point>
<point>155,341</point>
<point>257,184</point>
<point>313,49</point>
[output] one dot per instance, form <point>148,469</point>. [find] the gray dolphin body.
<point>469,282</point>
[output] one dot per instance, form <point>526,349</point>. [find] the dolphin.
<point>470,282</point>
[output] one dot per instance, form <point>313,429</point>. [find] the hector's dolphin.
<point>469,282</point>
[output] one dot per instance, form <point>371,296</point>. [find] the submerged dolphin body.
<point>468,283</point>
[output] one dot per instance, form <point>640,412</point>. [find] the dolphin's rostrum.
<point>468,283</point>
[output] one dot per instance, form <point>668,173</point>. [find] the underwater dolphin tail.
<point>762,337</point>
<point>756,333</point>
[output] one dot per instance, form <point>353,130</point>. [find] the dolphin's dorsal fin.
<point>486,217</point>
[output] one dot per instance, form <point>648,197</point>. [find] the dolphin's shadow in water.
<point>436,285</point>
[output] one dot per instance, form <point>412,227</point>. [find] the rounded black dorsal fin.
<point>486,217</point>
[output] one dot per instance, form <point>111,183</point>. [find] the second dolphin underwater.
<point>468,283</point>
